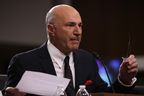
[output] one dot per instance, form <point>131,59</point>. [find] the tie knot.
<point>66,60</point>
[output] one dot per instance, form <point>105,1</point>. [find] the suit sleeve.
<point>15,72</point>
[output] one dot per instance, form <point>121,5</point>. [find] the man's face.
<point>67,31</point>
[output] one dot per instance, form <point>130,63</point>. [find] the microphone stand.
<point>104,65</point>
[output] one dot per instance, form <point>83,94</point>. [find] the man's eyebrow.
<point>72,23</point>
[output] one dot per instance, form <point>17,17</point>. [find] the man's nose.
<point>77,30</point>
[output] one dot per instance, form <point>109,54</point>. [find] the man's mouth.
<point>75,40</point>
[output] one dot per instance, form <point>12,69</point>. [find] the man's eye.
<point>71,24</point>
<point>80,25</point>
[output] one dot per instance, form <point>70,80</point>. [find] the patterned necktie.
<point>68,74</point>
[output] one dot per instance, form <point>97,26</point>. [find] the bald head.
<point>60,11</point>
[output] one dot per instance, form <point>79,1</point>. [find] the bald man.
<point>64,32</point>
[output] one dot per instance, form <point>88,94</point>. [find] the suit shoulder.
<point>30,53</point>
<point>84,53</point>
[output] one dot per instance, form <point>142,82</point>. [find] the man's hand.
<point>11,91</point>
<point>128,69</point>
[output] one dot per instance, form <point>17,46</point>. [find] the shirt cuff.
<point>133,81</point>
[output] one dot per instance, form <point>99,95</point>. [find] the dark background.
<point>108,25</point>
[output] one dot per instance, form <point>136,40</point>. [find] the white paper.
<point>1,93</point>
<point>41,83</point>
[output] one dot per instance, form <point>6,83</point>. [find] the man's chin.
<point>75,47</point>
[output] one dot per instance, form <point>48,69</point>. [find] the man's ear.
<point>51,29</point>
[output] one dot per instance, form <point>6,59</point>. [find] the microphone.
<point>104,65</point>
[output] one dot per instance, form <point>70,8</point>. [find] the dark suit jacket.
<point>39,60</point>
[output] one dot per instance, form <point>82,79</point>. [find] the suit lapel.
<point>77,69</point>
<point>46,61</point>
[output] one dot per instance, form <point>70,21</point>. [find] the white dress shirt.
<point>58,61</point>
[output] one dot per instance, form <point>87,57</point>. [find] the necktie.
<point>68,74</point>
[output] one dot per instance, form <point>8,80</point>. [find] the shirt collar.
<point>57,55</point>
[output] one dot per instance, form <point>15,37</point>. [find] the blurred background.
<point>108,26</point>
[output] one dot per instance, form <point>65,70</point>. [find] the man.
<point>64,30</point>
